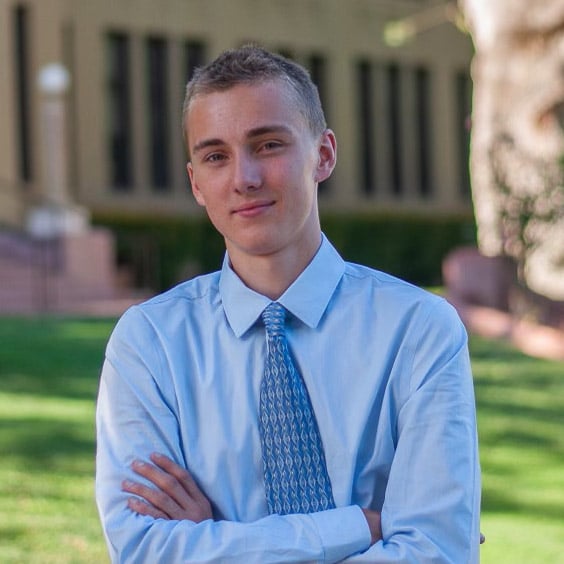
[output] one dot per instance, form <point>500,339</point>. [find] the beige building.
<point>400,114</point>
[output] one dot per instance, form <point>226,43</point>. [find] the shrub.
<point>162,252</point>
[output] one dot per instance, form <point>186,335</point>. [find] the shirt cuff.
<point>343,531</point>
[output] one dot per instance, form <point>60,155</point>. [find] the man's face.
<point>255,166</point>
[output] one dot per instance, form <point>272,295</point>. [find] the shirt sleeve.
<point>432,500</point>
<point>135,417</point>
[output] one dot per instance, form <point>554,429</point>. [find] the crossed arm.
<point>431,503</point>
<point>177,496</point>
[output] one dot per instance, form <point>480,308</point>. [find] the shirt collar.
<point>306,298</point>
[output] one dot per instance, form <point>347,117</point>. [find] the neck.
<point>272,275</point>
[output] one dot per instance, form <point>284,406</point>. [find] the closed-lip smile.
<point>253,208</point>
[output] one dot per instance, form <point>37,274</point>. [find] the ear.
<point>327,155</point>
<point>195,190</point>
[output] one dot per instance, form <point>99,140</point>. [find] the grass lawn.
<point>521,425</point>
<point>48,381</point>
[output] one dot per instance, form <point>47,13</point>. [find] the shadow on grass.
<point>520,402</point>
<point>43,444</point>
<point>52,356</point>
<point>11,533</point>
<point>499,502</point>
<point>521,411</point>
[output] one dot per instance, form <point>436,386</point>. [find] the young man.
<point>183,469</point>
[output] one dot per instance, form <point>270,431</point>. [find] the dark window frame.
<point>366,117</point>
<point>423,128</point>
<point>317,64</point>
<point>158,112</point>
<point>22,92</point>
<point>119,111</point>
<point>393,83</point>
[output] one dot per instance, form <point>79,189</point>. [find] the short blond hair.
<point>252,64</point>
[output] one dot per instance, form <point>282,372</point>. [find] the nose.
<point>247,173</point>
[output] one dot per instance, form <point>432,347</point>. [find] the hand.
<point>375,525</point>
<point>176,495</point>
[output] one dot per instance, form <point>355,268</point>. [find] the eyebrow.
<point>206,143</point>
<point>255,132</point>
<point>266,129</point>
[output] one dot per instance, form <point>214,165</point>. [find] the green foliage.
<point>164,252</point>
<point>49,371</point>
<point>411,247</point>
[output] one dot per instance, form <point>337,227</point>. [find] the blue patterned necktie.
<point>295,473</point>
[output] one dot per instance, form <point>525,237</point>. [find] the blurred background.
<point>111,154</point>
<point>449,117</point>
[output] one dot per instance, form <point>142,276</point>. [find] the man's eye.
<point>271,145</point>
<point>214,157</point>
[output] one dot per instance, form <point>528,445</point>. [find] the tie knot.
<point>274,317</point>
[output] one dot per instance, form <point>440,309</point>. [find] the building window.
<point>366,126</point>
<point>157,70</point>
<point>423,131</point>
<point>318,71</point>
<point>20,24</point>
<point>394,121</point>
<point>463,116</point>
<point>119,104</point>
<point>195,56</point>
<point>286,53</point>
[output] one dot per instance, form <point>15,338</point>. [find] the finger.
<point>144,508</point>
<point>157,499</point>
<point>200,506</point>
<point>181,474</point>
<point>169,489</point>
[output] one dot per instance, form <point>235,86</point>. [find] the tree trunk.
<point>517,146</point>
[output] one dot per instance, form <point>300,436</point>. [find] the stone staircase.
<point>70,274</point>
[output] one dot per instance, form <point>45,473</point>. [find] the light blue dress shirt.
<point>387,369</point>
